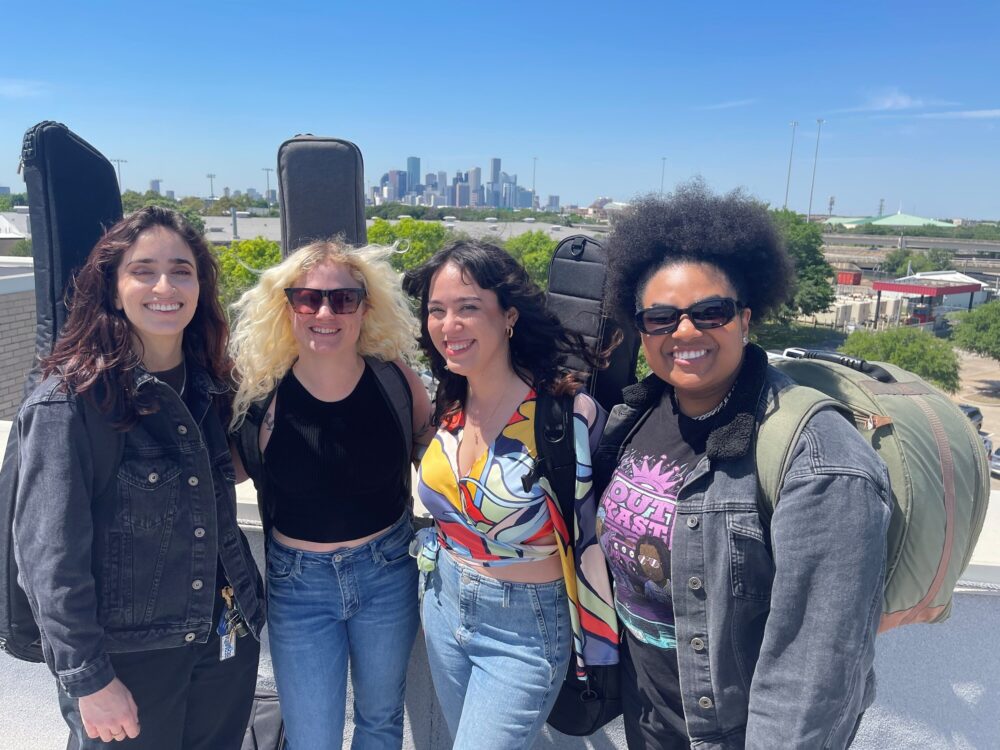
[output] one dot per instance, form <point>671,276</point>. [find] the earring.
<point>745,340</point>
<point>510,332</point>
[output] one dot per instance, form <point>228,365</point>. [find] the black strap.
<point>556,451</point>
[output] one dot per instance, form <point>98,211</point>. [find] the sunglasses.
<point>307,301</point>
<point>713,312</point>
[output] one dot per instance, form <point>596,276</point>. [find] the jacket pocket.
<point>149,490</point>
<point>750,564</point>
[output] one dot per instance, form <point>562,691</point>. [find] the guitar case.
<point>576,296</point>
<point>321,183</point>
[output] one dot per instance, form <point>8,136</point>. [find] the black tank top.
<point>333,468</point>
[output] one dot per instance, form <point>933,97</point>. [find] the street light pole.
<point>819,127</point>
<point>267,190</point>
<point>788,180</point>
<point>211,186</point>
<point>534,167</point>
<point>118,163</point>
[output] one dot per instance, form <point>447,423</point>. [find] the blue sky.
<point>599,92</point>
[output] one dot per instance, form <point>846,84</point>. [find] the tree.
<point>418,240</point>
<point>910,348</point>
<point>21,248</point>
<point>804,241</point>
<point>903,260</point>
<point>240,265</point>
<point>979,330</point>
<point>534,251</point>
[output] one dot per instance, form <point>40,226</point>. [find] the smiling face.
<point>327,332</point>
<point>157,290</point>
<point>467,324</point>
<point>701,365</point>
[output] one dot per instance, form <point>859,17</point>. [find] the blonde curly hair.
<point>262,344</point>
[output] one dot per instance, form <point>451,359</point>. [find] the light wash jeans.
<point>498,653</point>
<point>324,609</point>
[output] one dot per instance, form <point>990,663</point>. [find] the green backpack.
<point>937,468</point>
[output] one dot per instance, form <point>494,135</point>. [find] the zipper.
<point>27,149</point>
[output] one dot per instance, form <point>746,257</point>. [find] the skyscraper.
<point>495,170</point>
<point>412,172</point>
<point>154,186</point>
<point>475,186</point>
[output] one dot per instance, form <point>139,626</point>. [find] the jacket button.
<point>182,429</point>
<point>189,637</point>
<point>153,477</point>
<point>199,532</point>
<point>697,644</point>
<point>694,583</point>
<point>196,584</point>
<point>705,702</point>
<point>193,481</point>
<point>692,522</point>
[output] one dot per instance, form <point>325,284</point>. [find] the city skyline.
<point>579,101</point>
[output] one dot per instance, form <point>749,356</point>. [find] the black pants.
<point>187,698</point>
<point>651,697</point>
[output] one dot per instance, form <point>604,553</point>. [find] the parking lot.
<point>980,385</point>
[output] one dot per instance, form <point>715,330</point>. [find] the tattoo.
<point>269,422</point>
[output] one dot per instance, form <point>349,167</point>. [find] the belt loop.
<point>506,594</point>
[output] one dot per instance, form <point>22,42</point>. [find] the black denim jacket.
<point>132,567</point>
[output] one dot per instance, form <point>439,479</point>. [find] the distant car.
<point>987,444</point>
<point>974,414</point>
<point>555,228</point>
<point>995,463</point>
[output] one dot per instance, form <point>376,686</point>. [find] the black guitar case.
<point>73,197</point>
<point>576,296</point>
<point>321,184</point>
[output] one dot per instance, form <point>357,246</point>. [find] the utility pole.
<point>118,163</point>
<point>881,206</point>
<point>788,180</point>
<point>833,199</point>
<point>211,186</point>
<point>663,172</point>
<point>267,190</point>
<point>819,128</point>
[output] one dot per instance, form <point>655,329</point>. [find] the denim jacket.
<point>775,618</point>
<point>133,566</point>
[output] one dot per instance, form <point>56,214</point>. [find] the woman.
<point>739,630</point>
<point>317,346</point>
<point>505,605</point>
<point>141,584</point>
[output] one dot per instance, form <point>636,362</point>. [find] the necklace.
<point>184,380</point>
<point>707,414</point>
<point>478,441</point>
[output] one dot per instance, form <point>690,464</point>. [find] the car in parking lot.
<point>995,463</point>
<point>973,413</point>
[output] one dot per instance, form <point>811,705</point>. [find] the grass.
<point>778,336</point>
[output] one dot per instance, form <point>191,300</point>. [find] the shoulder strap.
<point>396,388</point>
<point>778,434</point>
<point>554,442</point>
<point>248,437</point>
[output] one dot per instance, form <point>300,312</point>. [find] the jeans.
<point>357,604</point>
<point>498,653</point>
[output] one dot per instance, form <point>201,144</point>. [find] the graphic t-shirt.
<point>635,520</point>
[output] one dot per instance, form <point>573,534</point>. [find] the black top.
<point>332,468</point>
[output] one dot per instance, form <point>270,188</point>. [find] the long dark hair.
<point>95,354</point>
<point>540,345</point>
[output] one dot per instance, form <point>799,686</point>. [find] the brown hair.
<point>94,353</point>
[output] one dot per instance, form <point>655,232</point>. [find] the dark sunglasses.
<point>713,312</point>
<point>307,301</point>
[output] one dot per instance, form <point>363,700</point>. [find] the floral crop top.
<point>489,519</point>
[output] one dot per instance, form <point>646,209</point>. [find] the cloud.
<point>894,100</point>
<point>729,105</point>
<point>962,114</point>
<point>16,88</point>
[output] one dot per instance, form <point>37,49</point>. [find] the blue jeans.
<point>324,609</point>
<point>498,653</point>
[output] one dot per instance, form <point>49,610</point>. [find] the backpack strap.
<point>554,443</point>
<point>778,434</point>
<point>396,389</point>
